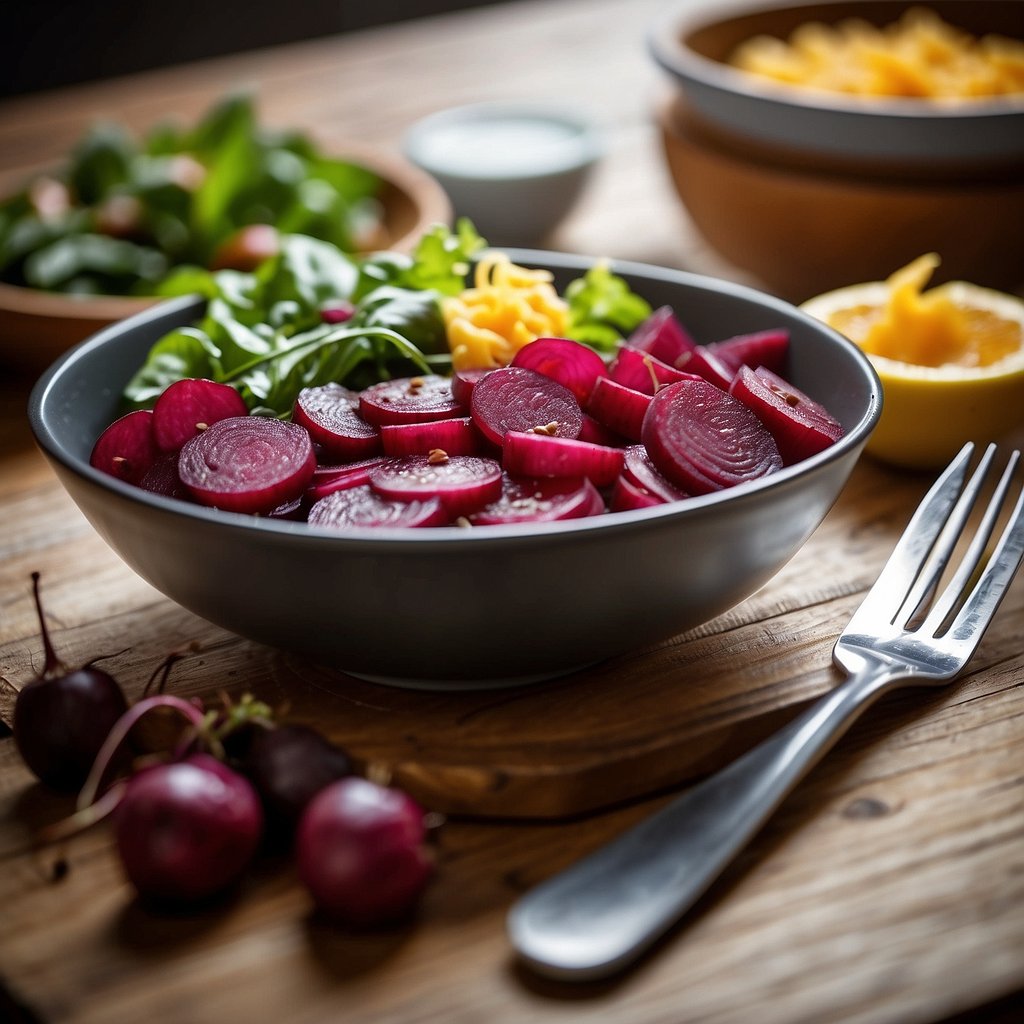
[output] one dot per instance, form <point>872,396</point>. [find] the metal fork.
<point>598,916</point>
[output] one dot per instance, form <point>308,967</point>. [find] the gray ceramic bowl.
<point>451,607</point>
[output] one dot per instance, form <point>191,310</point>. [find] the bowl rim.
<point>373,539</point>
<point>666,43</point>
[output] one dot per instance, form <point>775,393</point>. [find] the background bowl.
<point>514,169</point>
<point>449,607</point>
<point>810,191</point>
<point>37,326</point>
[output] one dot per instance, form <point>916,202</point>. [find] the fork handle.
<point>599,915</point>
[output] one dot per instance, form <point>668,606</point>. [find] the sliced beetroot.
<point>409,400</point>
<point>330,412</point>
<point>515,398</point>
<point>187,407</point>
<point>627,495</point>
<point>463,382</point>
<point>703,439</point>
<point>328,479</point>
<point>462,483</point>
<point>248,464</point>
<point>572,364</point>
<point>362,506</point>
<point>638,470</point>
<point>643,372</point>
<point>525,500</point>
<point>662,335</point>
<point>761,348</point>
<point>801,426</point>
<point>455,437</point>
<point>700,361</point>
<point>162,478</point>
<point>619,408</point>
<point>127,448</point>
<point>539,455</point>
<point>595,432</point>
<point>337,311</point>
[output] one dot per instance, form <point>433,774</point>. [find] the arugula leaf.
<point>603,309</point>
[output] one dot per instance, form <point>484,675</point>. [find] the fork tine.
<point>967,627</point>
<point>923,588</point>
<point>956,589</point>
<point>912,549</point>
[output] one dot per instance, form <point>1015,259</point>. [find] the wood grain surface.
<point>888,890</point>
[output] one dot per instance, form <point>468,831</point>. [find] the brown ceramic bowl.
<point>36,326</point>
<point>810,191</point>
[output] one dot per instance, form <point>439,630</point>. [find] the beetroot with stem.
<point>572,364</point>
<point>703,439</point>
<point>515,398</point>
<point>62,718</point>
<point>361,854</point>
<point>127,448</point>
<point>187,407</point>
<point>248,464</point>
<point>330,412</point>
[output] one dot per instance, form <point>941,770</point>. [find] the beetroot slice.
<point>761,348</point>
<point>330,414</point>
<point>703,439</point>
<point>801,427</point>
<point>463,382</point>
<point>248,464</point>
<point>515,398</point>
<point>597,433</point>
<point>524,500</point>
<point>462,483</point>
<point>127,448</point>
<point>454,437</point>
<point>700,361</point>
<point>362,506</point>
<point>619,408</point>
<point>638,470</point>
<point>662,335</point>
<point>627,495</point>
<point>187,407</point>
<point>328,479</point>
<point>572,364</point>
<point>409,400</point>
<point>162,478</point>
<point>538,455</point>
<point>643,372</point>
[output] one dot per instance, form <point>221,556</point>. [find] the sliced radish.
<point>570,363</point>
<point>328,479</point>
<point>761,348</point>
<point>662,335</point>
<point>643,372</point>
<point>463,382</point>
<point>515,398</point>
<point>637,469</point>
<point>456,437</point>
<point>801,427</point>
<point>248,464</point>
<point>539,455</point>
<point>619,408</point>
<point>463,483</point>
<point>127,448</point>
<point>330,413</point>
<point>627,495</point>
<point>362,506</point>
<point>187,407</point>
<point>703,439</point>
<point>409,400</point>
<point>525,500</point>
<point>702,362</point>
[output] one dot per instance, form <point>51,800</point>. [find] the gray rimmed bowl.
<point>456,608</point>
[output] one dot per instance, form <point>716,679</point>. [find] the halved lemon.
<point>951,360</point>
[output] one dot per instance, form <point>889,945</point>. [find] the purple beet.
<point>455,436</point>
<point>248,464</point>
<point>643,372</point>
<point>538,455</point>
<point>703,439</point>
<point>760,348</point>
<point>627,496</point>
<point>162,478</point>
<point>328,479</point>
<point>573,365</point>
<point>462,483</point>
<point>187,407</point>
<point>127,448</point>
<point>362,507</point>
<point>638,470</point>
<point>621,409</point>
<point>330,413</point>
<point>662,335</point>
<point>409,400</point>
<point>515,398</point>
<point>540,501</point>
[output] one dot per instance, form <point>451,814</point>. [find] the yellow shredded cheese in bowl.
<point>507,307</point>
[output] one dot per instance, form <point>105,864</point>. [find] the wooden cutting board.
<point>615,732</point>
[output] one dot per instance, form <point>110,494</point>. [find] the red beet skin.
<point>703,439</point>
<point>537,455</point>
<point>127,449</point>
<point>187,407</point>
<point>248,464</point>
<point>525,500</point>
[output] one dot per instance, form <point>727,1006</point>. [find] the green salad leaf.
<point>603,308</point>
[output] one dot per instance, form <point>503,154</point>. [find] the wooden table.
<point>889,889</point>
